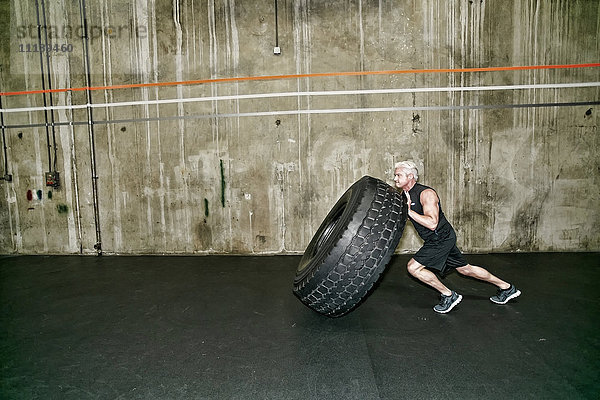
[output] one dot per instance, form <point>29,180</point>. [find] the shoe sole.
<point>512,296</point>
<point>451,307</point>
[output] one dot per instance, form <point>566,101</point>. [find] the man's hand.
<point>408,201</point>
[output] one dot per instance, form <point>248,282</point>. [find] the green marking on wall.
<point>50,194</point>
<point>62,208</point>
<point>222,184</point>
<point>39,194</point>
<point>206,207</point>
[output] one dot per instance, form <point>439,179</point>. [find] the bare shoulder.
<point>429,196</point>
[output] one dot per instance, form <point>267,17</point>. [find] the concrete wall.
<point>211,176</point>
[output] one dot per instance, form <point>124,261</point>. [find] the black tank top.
<point>443,227</point>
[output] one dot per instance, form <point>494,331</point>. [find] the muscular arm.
<point>431,211</point>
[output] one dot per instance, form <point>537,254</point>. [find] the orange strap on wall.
<point>293,76</point>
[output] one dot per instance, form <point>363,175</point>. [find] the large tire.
<point>351,248</point>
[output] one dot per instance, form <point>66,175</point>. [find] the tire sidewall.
<point>320,249</point>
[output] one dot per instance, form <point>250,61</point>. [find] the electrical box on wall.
<point>53,179</point>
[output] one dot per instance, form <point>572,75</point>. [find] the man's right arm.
<point>431,212</point>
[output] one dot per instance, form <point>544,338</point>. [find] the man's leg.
<point>448,300</point>
<point>424,275</point>
<point>506,291</point>
<point>483,275</point>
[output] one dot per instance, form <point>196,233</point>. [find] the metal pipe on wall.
<point>42,76</point>
<point>53,166</point>
<point>6,176</point>
<point>276,26</point>
<point>316,111</point>
<point>90,124</point>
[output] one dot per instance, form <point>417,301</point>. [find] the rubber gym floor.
<point>229,327</point>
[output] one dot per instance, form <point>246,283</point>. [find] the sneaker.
<point>447,303</point>
<point>505,295</point>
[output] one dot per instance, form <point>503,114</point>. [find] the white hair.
<point>408,167</point>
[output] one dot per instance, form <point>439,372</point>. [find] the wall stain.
<point>62,208</point>
<point>524,224</point>
<point>479,221</point>
<point>261,239</point>
<point>206,207</point>
<point>203,236</point>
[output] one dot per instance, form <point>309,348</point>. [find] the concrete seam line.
<point>314,93</point>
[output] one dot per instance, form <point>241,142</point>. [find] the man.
<point>439,252</point>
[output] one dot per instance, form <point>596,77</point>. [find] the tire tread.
<point>360,265</point>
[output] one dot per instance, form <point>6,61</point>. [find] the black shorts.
<point>441,255</point>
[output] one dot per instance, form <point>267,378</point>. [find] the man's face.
<point>401,178</point>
